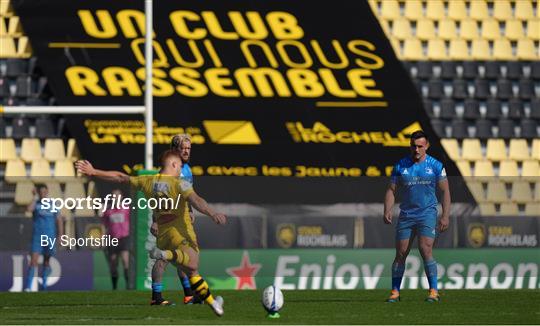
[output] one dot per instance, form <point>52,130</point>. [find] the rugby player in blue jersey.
<point>47,225</point>
<point>417,178</point>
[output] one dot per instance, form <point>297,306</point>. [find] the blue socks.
<point>157,288</point>
<point>30,277</point>
<point>397,275</point>
<point>430,266</point>
<point>46,273</point>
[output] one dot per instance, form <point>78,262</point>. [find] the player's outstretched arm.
<point>444,221</point>
<point>202,206</point>
<point>87,169</point>
<point>389,199</point>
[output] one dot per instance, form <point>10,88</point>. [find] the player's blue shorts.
<point>424,226</point>
<point>43,250</point>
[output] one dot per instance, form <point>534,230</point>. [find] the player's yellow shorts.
<point>172,237</point>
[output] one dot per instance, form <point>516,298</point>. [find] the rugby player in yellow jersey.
<point>176,241</point>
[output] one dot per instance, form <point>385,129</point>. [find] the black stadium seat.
<point>529,128</point>
<point>24,86</point>
<point>16,67</point>
<point>425,69</point>
<point>3,125</point>
<point>481,89</point>
<point>506,128</point>
<point>513,70</point>
<point>470,69</point>
<point>44,128</point>
<point>515,109</point>
<point>20,128</point>
<point>435,89</point>
<point>448,70</point>
<point>438,127</point>
<point>526,89</point>
<point>483,129</point>
<point>459,129</point>
<point>471,109</point>
<point>492,70</point>
<point>448,109</point>
<point>493,109</point>
<point>535,70</point>
<point>535,108</point>
<point>4,87</point>
<point>459,89</point>
<point>504,89</point>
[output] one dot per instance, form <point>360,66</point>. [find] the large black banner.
<point>290,89</point>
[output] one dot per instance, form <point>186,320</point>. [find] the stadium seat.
<point>23,193</point>
<point>509,209</point>
<point>484,129</point>
<point>458,50</point>
<point>515,109</point>
<point>502,10</point>
<point>535,70</point>
<point>448,70</point>
<point>3,125</point>
<point>435,89</point>
<point>459,129</point>
<point>535,109</point>
<point>535,149</point>
<point>15,171</point>
<point>471,109</point>
<point>7,150</point>
<point>468,30</point>
<point>374,7</point>
<point>55,191</point>
<point>3,26</point>
<point>424,69</point>
<point>448,110</point>
<point>529,128</point>
<point>519,150</point>
<point>526,50</point>
<point>477,191</point>
<point>478,10</point>
<point>54,150</point>
<point>428,107</point>
<point>483,170</point>
<point>92,190</point>
<point>44,128</point>
<point>496,192</point>
<point>40,171</point>
<point>487,209</point>
<point>8,48</point>
<point>514,30</point>
<point>23,86</point>
<point>457,10</point>
<point>64,170</point>
<point>451,147</point>
<point>496,150</point>
<point>447,29</point>
<point>401,29</point>
<point>30,149</point>
<point>532,209</point>
<point>502,50</point>
<point>533,29</point>
<point>530,170</point>
<point>537,191</point>
<point>464,168</point>
<point>72,150</point>
<point>16,67</point>
<point>524,10</point>
<point>521,192</point>
<point>14,28</point>
<point>506,129</point>
<point>508,170</point>
<point>24,50</point>
<point>493,109</point>
<point>459,89</point>
<point>4,87</point>
<point>20,128</point>
<point>397,47</point>
<point>439,127</point>
<point>490,30</point>
<point>435,9</point>
<point>481,88</point>
<point>425,29</point>
<point>471,150</point>
<point>413,9</point>
<point>504,89</point>
<point>74,189</point>
<point>390,9</point>
<point>436,50</point>
<point>412,50</point>
<point>480,49</point>
<point>513,70</point>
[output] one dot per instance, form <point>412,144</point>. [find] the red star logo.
<point>245,273</point>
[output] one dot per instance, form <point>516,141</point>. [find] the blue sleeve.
<point>441,172</point>
<point>394,177</point>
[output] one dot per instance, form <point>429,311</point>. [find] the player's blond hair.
<point>178,140</point>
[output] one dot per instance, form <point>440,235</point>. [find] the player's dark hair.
<point>39,186</point>
<point>419,134</point>
<point>169,153</point>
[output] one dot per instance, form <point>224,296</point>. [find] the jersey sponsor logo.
<point>161,187</point>
<point>429,170</point>
<point>405,171</point>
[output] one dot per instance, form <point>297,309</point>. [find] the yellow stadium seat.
<point>464,168</point>
<point>72,150</point>
<point>451,147</point>
<point>6,9</point>
<point>24,50</point>
<point>436,50</point>
<point>496,149</point>
<point>502,10</point>
<point>483,170</point>
<point>390,9</point>
<point>74,190</point>
<point>396,46</point>
<point>55,191</point>
<point>530,170</point>
<point>523,10</point>
<point>435,9</point>
<point>40,171</point>
<point>532,209</point>
<point>526,50</point>
<point>480,49</point>
<point>30,149</point>
<point>385,27</point>
<point>521,192</point>
<point>425,29</point>
<point>533,29</point>
<point>477,191</point>
<point>478,9</point>
<point>54,150</point>
<point>519,150</point>
<point>458,50</point>
<point>91,190</point>
<point>487,209</point>
<point>535,149</point>
<point>468,29</point>
<point>490,29</point>
<point>508,170</point>
<point>8,48</point>
<point>3,26</point>
<point>23,193</point>
<point>7,149</point>
<point>447,29</point>
<point>412,50</point>
<point>14,27</point>
<point>496,192</point>
<point>509,209</point>
<point>471,150</point>
<point>502,50</point>
<point>413,9</point>
<point>401,29</point>
<point>537,191</point>
<point>64,170</point>
<point>15,171</point>
<point>374,7</point>
<point>457,9</point>
<point>514,30</point>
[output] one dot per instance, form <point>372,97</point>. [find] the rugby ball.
<point>272,299</point>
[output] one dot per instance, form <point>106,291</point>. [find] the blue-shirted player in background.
<point>417,177</point>
<point>45,223</point>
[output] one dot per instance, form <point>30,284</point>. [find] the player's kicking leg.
<point>157,286</point>
<point>189,297</point>
<point>188,259</point>
<point>425,244</point>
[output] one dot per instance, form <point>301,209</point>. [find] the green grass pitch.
<point>301,307</point>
